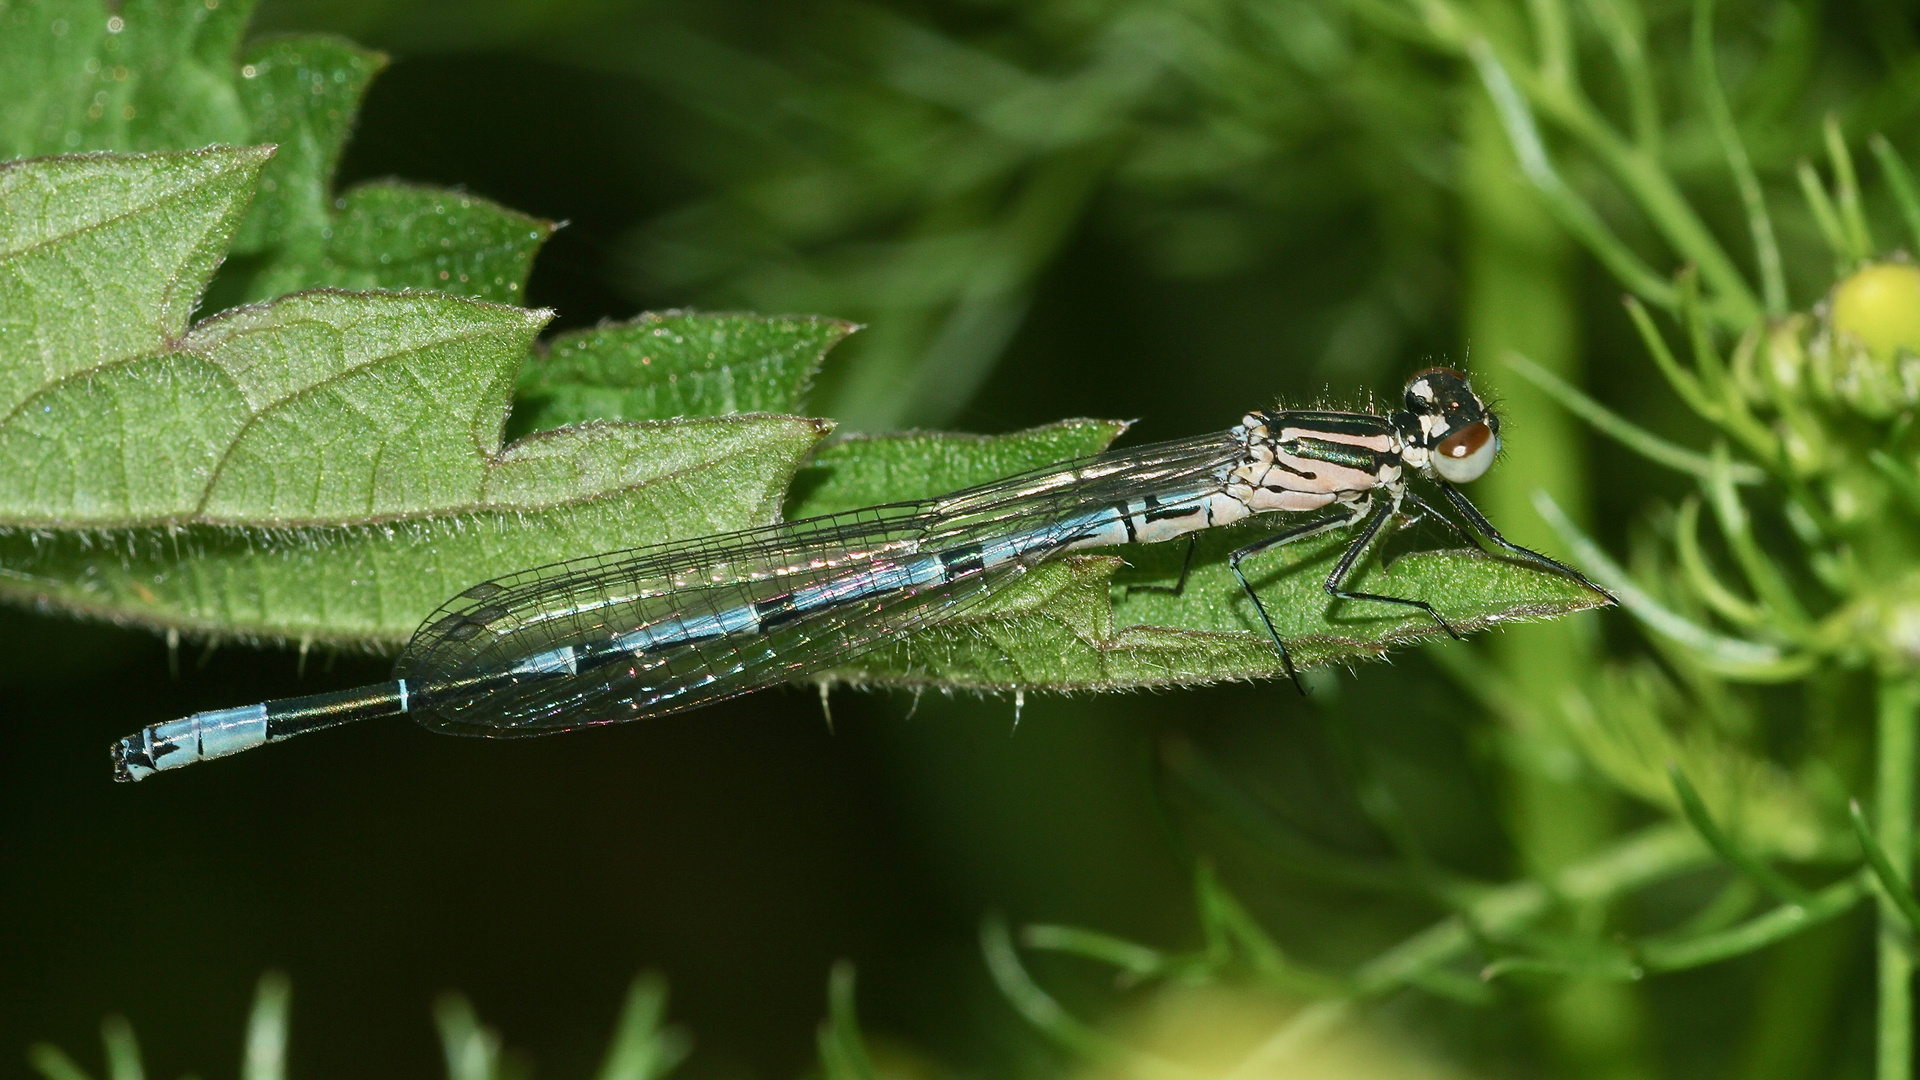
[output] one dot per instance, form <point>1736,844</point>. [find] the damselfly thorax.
<point>662,629</point>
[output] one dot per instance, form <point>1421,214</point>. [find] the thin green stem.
<point>1901,181</point>
<point>1683,381</point>
<point>1693,563</point>
<point>1517,91</point>
<point>1899,701</point>
<point>1136,960</point>
<point>1641,859</point>
<point>1621,23</point>
<point>1573,212</point>
<point>1723,845</point>
<point>1731,412</point>
<point>1763,577</point>
<point>1611,966</point>
<point>1773,282</point>
<point>1677,953</point>
<point>53,1063</point>
<point>1053,1020</point>
<point>123,1050</point>
<point>1824,215</point>
<point>1626,432</point>
<point>1658,196</point>
<point>266,1047</point>
<point>643,1047</point>
<point>1778,924</point>
<point>1553,38</point>
<point>1859,237</point>
<point>1733,658</point>
<point>472,1051</point>
<point>1891,879</point>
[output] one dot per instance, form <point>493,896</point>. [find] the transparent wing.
<point>660,629</point>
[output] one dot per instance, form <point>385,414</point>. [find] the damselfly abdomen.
<point>661,629</point>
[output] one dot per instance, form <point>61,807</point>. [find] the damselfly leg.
<point>1376,520</point>
<point>1426,509</point>
<point>1336,581</point>
<point>1285,536</point>
<point>1186,567</point>
<point>1479,521</point>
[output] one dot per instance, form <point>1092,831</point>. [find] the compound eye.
<point>1467,454</point>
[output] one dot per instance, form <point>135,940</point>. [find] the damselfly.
<point>661,629</point>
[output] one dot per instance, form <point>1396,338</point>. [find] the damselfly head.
<point>1445,418</point>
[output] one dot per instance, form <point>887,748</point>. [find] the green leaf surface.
<point>144,75</point>
<point>578,492</point>
<point>1071,624</point>
<point>300,93</point>
<point>161,75</point>
<point>321,408</point>
<point>328,466</point>
<point>401,236</point>
<point>868,470</point>
<point>102,258</point>
<point>675,363</point>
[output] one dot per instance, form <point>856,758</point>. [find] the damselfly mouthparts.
<point>660,629</point>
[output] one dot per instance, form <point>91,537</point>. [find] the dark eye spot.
<point>1465,442</point>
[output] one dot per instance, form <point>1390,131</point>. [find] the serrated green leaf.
<point>102,258</point>
<point>579,491</point>
<point>322,408</point>
<point>160,75</point>
<point>675,363</point>
<point>300,93</point>
<point>1070,625</point>
<point>328,466</point>
<point>149,75</point>
<point>402,236</point>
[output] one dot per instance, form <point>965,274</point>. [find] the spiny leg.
<point>1479,521</point>
<point>1186,567</point>
<point>1336,581</point>
<point>1288,536</point>
<point>1427,509</point>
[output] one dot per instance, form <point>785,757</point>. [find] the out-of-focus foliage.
<point>1176,205</point>
<point>926,179</point>
<point>644,1046</point>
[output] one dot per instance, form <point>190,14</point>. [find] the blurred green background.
<point>1167,211</point>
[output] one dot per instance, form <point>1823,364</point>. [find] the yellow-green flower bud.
<point>1879,306</point>
<point>1871,348</point>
